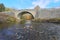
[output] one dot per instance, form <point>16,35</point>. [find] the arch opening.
<point>25,15</point>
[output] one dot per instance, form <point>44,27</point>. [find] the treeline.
<point>3,8</point>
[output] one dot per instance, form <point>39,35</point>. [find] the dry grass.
<point>57,20</point>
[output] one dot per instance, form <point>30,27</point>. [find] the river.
<point>31,31</point>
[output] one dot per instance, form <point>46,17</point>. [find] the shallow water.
<point>39,31</point>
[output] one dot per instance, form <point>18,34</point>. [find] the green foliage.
<point>22,21</point>
<point>38,20</point>
<point>2,7</point>
<point>8,22</point>
<point>11,20</point>
<point>8,9</point>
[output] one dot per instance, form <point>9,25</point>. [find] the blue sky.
<point>23,4</point>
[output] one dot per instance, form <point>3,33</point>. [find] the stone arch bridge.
<point>19,13</point>
<point>34,12</point>
<point>37,12</point>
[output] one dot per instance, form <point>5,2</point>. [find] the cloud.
<point>43,3</point>
<point>56,1</point>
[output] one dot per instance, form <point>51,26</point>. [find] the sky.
<point>30,4</point>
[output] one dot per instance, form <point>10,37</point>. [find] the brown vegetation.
<point>52,20</point>
<point>6,20</point>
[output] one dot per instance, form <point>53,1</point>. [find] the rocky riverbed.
<point>39,31</point>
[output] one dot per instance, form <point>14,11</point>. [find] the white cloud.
<point>43,3</point>
<point>56,1</point>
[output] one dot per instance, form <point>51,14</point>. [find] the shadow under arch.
<point>24,12</point>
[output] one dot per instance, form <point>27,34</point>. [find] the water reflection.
<point>28,24</point>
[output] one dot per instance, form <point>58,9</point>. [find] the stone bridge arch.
<point>31,11</point>
<point>24,12</point>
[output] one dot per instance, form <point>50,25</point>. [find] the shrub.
<point>38,20</point>
<point>54,20</point>
<point>22,21</point>
<point>8,22</point>
<point>11,20</point>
